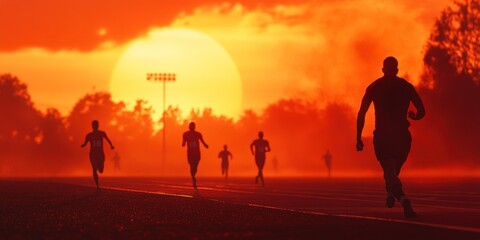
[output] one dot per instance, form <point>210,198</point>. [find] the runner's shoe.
<point>390,201</point>
<point>408,210</point>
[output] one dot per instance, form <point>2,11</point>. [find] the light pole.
<point>162,77</point>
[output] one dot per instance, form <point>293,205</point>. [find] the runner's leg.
<point>385,147</point>
<point>260,170</point>
<point>93,162</point>
<point>226,172</point>
<point>95,176</point>
<point>257,162</point>
<point>193,160</point>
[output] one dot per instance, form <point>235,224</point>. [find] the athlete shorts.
<point>260,161</point>
<point>392,144</point>
<point>193,158</point>
<point>97,159</point>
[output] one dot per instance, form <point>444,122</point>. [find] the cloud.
<point>325,50</point>
<point>74,25</point>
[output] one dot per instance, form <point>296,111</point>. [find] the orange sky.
<point>324,50</point>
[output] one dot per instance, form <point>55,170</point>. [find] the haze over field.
<point>296,70</point>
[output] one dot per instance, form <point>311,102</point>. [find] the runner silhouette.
<point>391,97</point>
<point>275,163</point>
<point>261,147</point>
<point>192,138</point>
<point>116,161</point>
<point>97,156</point>
<point>328,161</point>
<point>225,154</point>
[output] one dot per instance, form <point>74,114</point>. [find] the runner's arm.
<point>267,147</point>
<point>86,141</point>
<point>366,101</point>
<point>203,142</point>
<point>417,102</point>
<point>108,140</point>
<point>183,140</point>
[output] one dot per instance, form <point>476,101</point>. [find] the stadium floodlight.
<point>164,78</point>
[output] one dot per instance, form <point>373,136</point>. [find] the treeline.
<point>35,142</point>
<point>450,88</point>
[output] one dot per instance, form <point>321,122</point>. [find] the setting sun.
<point>206,76</point>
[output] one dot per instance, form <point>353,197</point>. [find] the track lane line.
<point>434,225</point>
<point>326,196</point>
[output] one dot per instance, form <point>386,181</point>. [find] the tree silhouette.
<point>53,128</point>
<point>19,125</point>
<point>92,106</point>
<point>451,83</point>
<point>20,119</point>
<point>456,39</point>
<point>136,124</point>
<point>54,144</point>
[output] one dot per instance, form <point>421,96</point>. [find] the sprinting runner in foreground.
<point>192,139</point>
<point>225,155</point>
<point>258,148</point>
<point>391,97</point>
<point>97,156</point>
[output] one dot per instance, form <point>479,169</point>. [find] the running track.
<point>450,203</point>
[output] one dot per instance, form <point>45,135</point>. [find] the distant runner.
<point>224,155</point>
<point>116,161</point>
<point>328,162</point>
<point>258,148</point>
<point>97,156</point>
<point>275,163</point>
<point>391,97</point>
<point>192,139</point>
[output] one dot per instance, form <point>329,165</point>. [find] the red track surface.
<point>450,203</point>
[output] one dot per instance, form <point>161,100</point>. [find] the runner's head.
<point>191,126</point>
<point>225,147</point>
<point>95,125</point>
<point>260,135</point>
<point>390,66</point>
